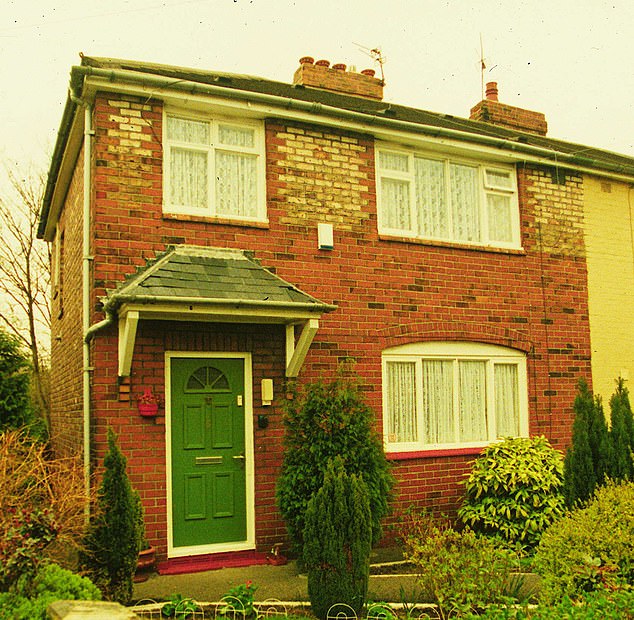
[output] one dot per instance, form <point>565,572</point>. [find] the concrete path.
<point>281,582</point>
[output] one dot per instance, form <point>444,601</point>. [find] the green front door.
<point>208,451</point>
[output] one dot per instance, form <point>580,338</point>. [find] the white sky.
<point>571,60</point>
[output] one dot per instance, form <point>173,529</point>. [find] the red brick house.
<point>216,235</point>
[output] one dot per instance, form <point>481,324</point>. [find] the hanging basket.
<point>148,410</point>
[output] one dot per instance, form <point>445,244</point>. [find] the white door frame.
<point>249,543</point>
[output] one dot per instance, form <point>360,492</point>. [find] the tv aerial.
<point>377,56</point>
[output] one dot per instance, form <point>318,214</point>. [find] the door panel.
<point>208,450</point>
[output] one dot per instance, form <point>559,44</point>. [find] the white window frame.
<point>453,351</point>
<point>485,188</point>
<point>214,146</point>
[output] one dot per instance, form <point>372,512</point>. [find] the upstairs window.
<point>214,168</point>
<point>441,199</point>
<point>440,395</point>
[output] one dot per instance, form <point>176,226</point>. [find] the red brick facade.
<point>388,292</point>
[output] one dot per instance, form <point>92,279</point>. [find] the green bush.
<point>31,597</point>
<point>591,547</point>
<point>461,571</point>
<point>323,421</point>
<point>113,539</point>
<point>603,605</point>
<point>514,490</point>
<point>26,534</point>
<point>338,541</point>
<point>586,461</point>
<point>15,409</point>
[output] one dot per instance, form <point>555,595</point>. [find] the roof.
<point>321,105</point>
<point>210,276</point>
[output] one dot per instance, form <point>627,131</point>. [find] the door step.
<point>211,561</point>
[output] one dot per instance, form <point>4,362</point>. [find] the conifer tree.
<point>112,542</point>
<point>338,541</point>
<point>621,436</point>
<point>586,461</point>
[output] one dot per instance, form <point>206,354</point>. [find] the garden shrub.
<point>15,409</point>
<point>461,571</point>
<point>30,597</point>
<point>42,506</point>
<point>113,539</point>
<point>323,421</point>
<point>514,490</point>
<point>603,605</point>
<point>586,461</point>
<point>591,547</point>
<point>621,466</point>
<point>338,541</point>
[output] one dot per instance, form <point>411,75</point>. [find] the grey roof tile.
<point>208,275</point>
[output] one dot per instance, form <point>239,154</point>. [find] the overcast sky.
<point>571,60</point>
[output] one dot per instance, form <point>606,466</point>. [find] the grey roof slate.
<point>210,275</point>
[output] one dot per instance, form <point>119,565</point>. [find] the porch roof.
<point>192,283</point>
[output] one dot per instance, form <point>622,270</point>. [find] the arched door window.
<point>207,379</point>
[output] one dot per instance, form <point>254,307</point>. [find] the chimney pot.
<point>492,91</point>
<point>368,72</point>
<point>323,63</point>
<point>339,67</point>
<point>306,60</point>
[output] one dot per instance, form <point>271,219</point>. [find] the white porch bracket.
<point>127,336</point>
<point>296,352</point>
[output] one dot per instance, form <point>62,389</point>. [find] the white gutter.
<point>85,281</point>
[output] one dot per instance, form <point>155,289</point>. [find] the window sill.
<point>426,454</point>
<point>215,220</point>
<point>454,245</point>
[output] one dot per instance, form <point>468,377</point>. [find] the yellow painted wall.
<point>609,235</point>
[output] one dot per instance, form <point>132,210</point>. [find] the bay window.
<point>442,199</point>
<point>214,167</point>
<point>452,395</point>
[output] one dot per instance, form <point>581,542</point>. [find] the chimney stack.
<point>490,110</point>
<point>336,79</point>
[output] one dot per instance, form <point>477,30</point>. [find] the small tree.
<point>14,383</point>
<point>112,542</point>
<point>338,541</point>
<point>323,421</point>
<point>586,461</point>
<point>621,434</point>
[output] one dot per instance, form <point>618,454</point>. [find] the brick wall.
<point>388,292</point>
<point>66,326</point>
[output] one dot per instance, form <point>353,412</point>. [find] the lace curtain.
<point>431,199</point>
<point>438,406</point>
<point>507,411</point>
<point>401,398</point>
<point>464,202</point>
<point>473,399</point>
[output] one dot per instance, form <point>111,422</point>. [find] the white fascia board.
<point>221,313</point>
<point>66,170</point>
